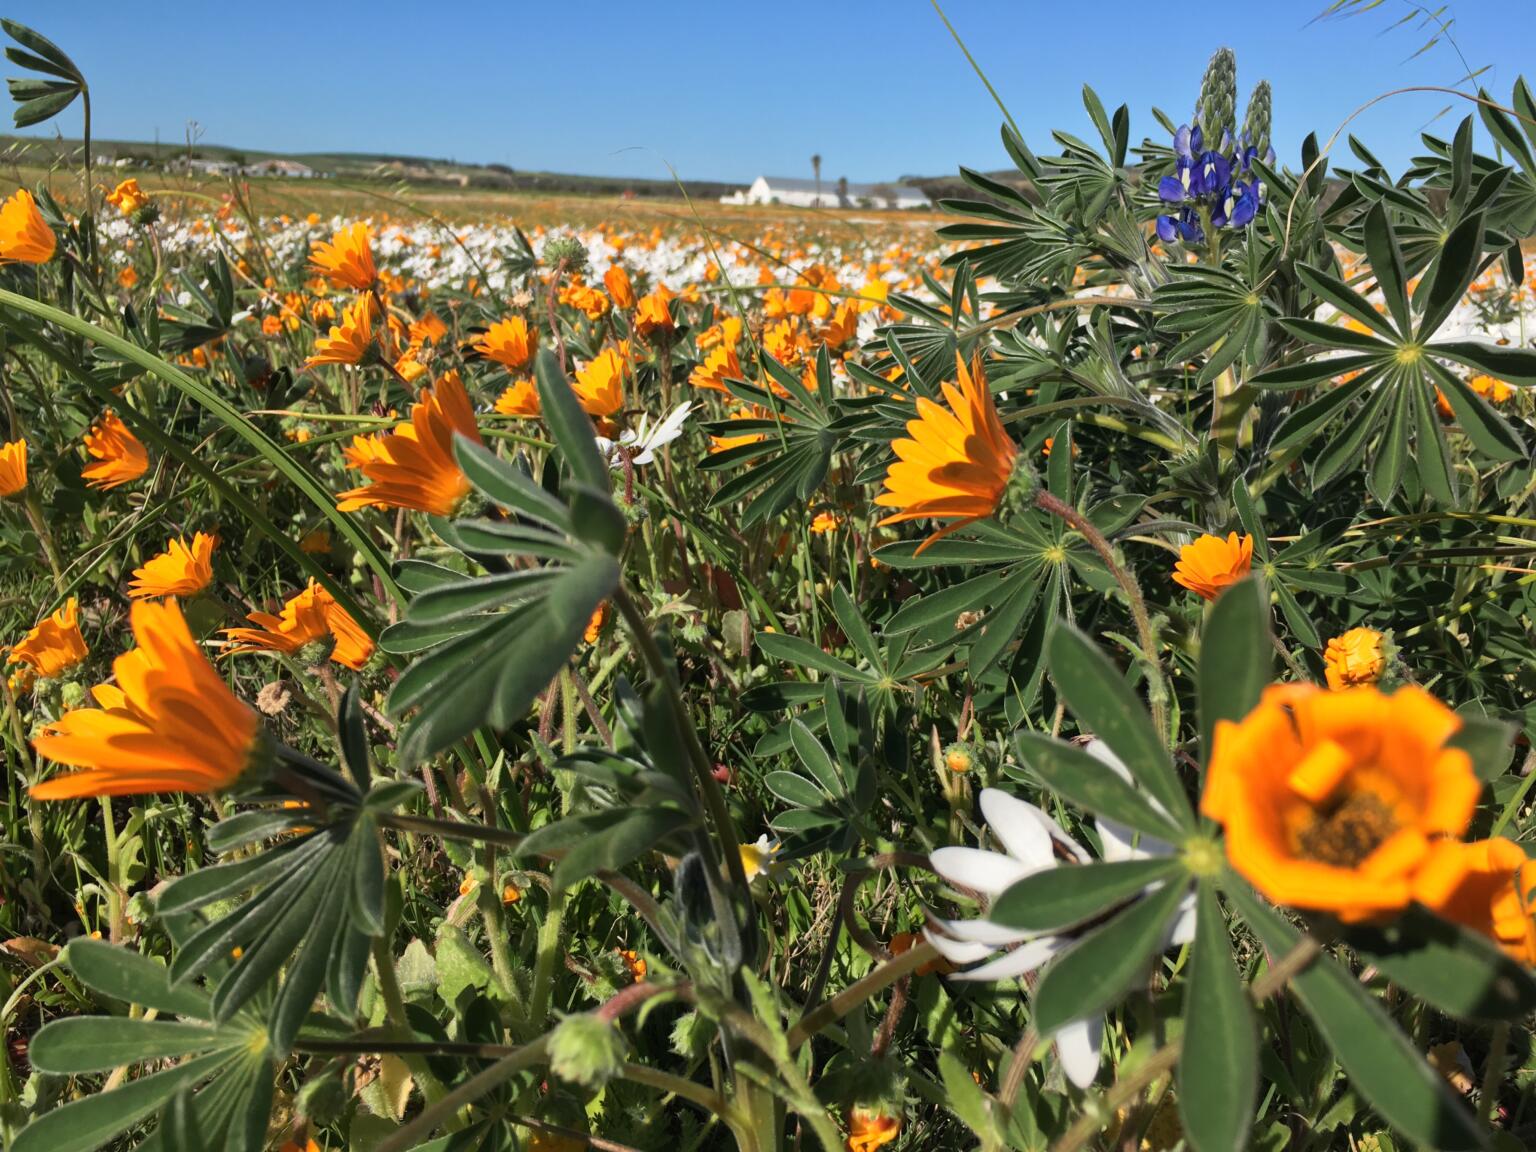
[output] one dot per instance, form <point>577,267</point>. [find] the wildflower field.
<point>510,674</point>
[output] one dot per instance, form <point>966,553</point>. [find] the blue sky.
<point>727,89</point>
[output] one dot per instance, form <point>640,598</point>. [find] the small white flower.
<point>641,443</point>
<point>1033,843</point>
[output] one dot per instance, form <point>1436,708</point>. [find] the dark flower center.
<point>1344,834</point>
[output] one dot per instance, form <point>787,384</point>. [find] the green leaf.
<point>42,108</point>
<point>1511,365</point>
<point>1458,971</point>
<point>100,1043</point>
<point>1487,741</point>
<point>1219,1066</point>
<point>504,483</point>
<point>1383,1066</point>
<point>641,830</point>
<point>815,759</point>
<point>568,423</point>
<point>125,975</point>
<point>794,650</point>
<point>44,48</point>
<point>1386,260</point>
<point>1097,970</point>
<point>1097,694</point>
<point>86,1124</point>
<point>1060,897</point>
<point>1092,786</point>
<point>1448,278</point>
<point>1235,658</point>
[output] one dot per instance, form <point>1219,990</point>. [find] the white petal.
<point>1105,755</point>
<point>982,932</point>
<point>1019,826</point>
<point>1078,1044</point>
<point>1120,842</point>
<point>980,871</point>
<point>1022,960</point>
<point>1184,925</point>
<point>958,951</point>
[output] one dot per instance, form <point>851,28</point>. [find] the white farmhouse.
<point>840,193</point>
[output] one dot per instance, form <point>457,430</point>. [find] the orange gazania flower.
<point>24,235</point>
<point>169,724</point>
<point>720,365</point>
<point>349,342</point>
<point>13,468</point>
<point>413,466</point>
<point>1490,388</point>
<point>128,197</point>
<point>1485,885</point>
<point>595,624</point>
<point>1331,799</point>
<point>870,1128</point>
<point>508,342</point>
<point>653,313</point>
<point>600,385</point>
<point>1357,657</point>
<point>180,570</point>
<point>843,326</point>
<point>520,399</point>
<point>120,457</point>
<point>616,280</point>
<point>430,329</point>
<point>308,618</point>
<point>634,964</point>
<point>347,261</point>
<point>958,461</point>
<point>1210,563</point>
<point>55,645</point>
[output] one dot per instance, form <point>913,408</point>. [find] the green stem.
<point>544,965</point>
<point>34,510</point>
<point>1493,1072</point>
<point>394,1008</point>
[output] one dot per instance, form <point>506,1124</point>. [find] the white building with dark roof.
<point>799,193</point>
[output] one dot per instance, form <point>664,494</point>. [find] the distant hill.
<point>367,166</point>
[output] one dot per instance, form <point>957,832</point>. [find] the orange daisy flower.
<point>120,457</point>
<point>871,1128</point>
<point>1331,800</point>
<point>1357,657</point>
<point>24,235</point>
<point>1485,885</point>
<point>620,290</point>
<point>1209,564</point>
<point>169,724</point>
<point>653,313</point>
<point>55,645</point>
<point>413,466</point>
<point>349,342</point>
<point>347,261</point>
<point>508,342</point>
<point>600,385</point>
<point>957,464</point>
<point>311,617</point>
<point>181,570</point>
<point>128,197</point>
<point>520,399</point>
<point>13,468</point>
<point>714,370</point>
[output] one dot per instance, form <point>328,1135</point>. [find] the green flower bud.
<point>566,250</point>
<point>1023,486</point>
<point>1217,110</point>
<point>587,1050</point>
<point>1256,122</point>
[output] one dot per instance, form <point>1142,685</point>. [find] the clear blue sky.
<point>729,89</point>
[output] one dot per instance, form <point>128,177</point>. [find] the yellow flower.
<point>55,645</point>
<point>1209,564</point>
<point>24,235</point>
<point>13,468</point>
<point>1331,800</point>
<point>414,466</point>
<point>520,399</point>
<point>312,617</point>
<point>958,461</point>
<point>1357,657</point>
<point>349,342</point>
<point>178,571</point>
<point>508,342</point>
<point>168,724</point>
<point>128,197</point>
<point>347,260</point>
<point>600,385</point>
<point>120,457</point>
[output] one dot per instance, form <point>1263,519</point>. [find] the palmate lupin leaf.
<point>1399,368</point>
<point>313,901</point>
<point>487,645</point>
<point>834,788</point>
<point>222,1085</point>
<point>788,465</point>
<point>37,99</point>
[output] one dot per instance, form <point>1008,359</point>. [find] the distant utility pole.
<point>816,167</point>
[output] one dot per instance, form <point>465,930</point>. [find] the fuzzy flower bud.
<point>586,1050</point>
<point>1217,110</point>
